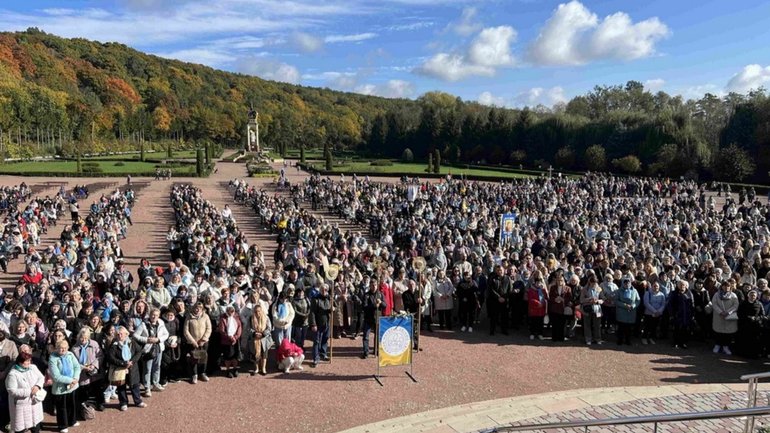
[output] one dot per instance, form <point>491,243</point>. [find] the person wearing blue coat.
<point>64,369</point>
<point>626,302</point>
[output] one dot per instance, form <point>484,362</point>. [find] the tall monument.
<point>252,131</point>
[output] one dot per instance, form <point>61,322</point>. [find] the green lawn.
<point>364,168</point>
<point>108,167</point>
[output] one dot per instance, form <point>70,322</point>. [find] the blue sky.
<point>501,52</point>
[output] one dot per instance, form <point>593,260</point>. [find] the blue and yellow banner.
<point>395,340</point>
<point>507,222</point>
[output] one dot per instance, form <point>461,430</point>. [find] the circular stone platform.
<point>586,404</point>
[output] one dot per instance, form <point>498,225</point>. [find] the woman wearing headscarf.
<point>751,318</point>
<point>64,369</point>
<point>169,367</point>
<point>725,317</point>
<point>23,383</point>
<point>260,338</point>
<point>230,329</point>
<point>122,359</point>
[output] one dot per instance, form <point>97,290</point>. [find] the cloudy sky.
<point>501,52</point>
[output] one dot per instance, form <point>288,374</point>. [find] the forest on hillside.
<point>73,95</point>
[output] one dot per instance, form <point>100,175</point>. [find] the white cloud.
<point>574,35</point>
<point>268,69</point>
<point>349,38</point>
<point>541,96</point>
<point>202,56</point>
<point>390,89</point>
<point>492,47</point>
<point>654,85</point>
<point>487,98</point>
<point>306,42</point>
<point>751,77</point>
<point>467,24</point>
<point>452,67</point>
<point>410,26</point>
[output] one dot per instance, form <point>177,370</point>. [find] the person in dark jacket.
<point>373,305</point>
<point>751,317</point>
<point>169,367</point>
<point>412,302</point>
<point>681,308</point>
<point>702,301</point>
<point>301,312</point>
<point>124,354</point>
<point>498,289</point>
<point>320,313</point>
<point>468,302</point>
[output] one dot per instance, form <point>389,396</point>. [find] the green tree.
<point>628,164</point>
<point>565,157</point>
<point>733,163</point>
<point>407,155</point>
<point>430,163</point>
<point>436,161</point>
<point>595,158</point>
<point>302,152</point>
<point>329,160</point>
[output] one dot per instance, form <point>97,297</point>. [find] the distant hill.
<point>58,95</point>
<point>52,89</point>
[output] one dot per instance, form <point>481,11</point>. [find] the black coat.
<point>320,311</point>
<point>114,358</point>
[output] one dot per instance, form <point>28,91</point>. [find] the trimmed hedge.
<point>382,163</point>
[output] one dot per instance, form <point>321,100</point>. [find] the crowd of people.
<point>584,258</point>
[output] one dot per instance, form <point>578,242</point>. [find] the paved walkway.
<point>585,404</point>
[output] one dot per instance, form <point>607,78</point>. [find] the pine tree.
<point>437,161</point>
<point>430,163</point>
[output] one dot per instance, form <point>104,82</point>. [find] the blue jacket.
<point>61,382</point>
<point>624,298</point>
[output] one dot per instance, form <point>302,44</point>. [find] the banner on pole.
<point>395,341</point>
<point>506,228</point>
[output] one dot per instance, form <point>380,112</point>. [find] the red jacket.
<point>287,349</point>
<point>229,341</point>
<point>536,307</point>
<point>387,293</point>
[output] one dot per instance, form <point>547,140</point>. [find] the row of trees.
<point>70,96</point>
<point>623,128</point>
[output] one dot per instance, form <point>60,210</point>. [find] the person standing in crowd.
<point>301,307</point>
<point>537,306</point>
<point>90,358</point>
<point>654,305</point>
<point>591,304</point>
<point>230,329</point>
<point>443,300</point>
<point>283,317</point>
<point>320,315</point>
<point>467,302</point>
<point>626,302</point>
<point>681,307</point>
<point>64,369</point>
<point>152,335</point>
<point>751,319</point>
<point>123,358</point>
<point>725,318</point>
<point>373,306</point>
<point>559,307</point>
<point>24,385</point>
<point>498,289</point>
<point>197,331</point>
<point>412,301</point>
<point>261,338</point>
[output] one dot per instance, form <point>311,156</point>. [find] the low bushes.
<point>382,163</point>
